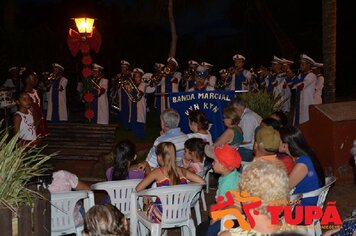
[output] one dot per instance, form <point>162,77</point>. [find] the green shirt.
<point>228,182</point>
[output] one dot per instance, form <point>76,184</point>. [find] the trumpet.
<point>96,86</point>
<point>128,86</point>
<point>224,82</point>
<point>51,77</point>
<point>158,76</point>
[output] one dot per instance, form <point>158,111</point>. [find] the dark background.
<point>34,34</point>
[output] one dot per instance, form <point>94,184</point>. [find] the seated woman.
<point>105,220</point>
<point>307,174</point>
<point>233,134</point>
<point>124,154</point>
<point>268,181</point>
<point>199,125</point>
<point>194,156</point>
<point>167,174</point>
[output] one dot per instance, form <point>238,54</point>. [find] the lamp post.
<point>85,39</point>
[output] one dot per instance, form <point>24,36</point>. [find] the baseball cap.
<point>227,155</point>
<point>268,137</point>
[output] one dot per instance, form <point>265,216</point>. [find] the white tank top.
<point>27,128</point>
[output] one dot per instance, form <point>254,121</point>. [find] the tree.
<point>329,48</point>
<point>174,36</point>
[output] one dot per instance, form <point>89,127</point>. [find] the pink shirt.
<point>63,181</point>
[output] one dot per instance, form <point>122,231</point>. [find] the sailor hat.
<point>207,65</point>
<point>12,68</point>
<point>307,59</point>
<point>238,57</point>
<point>277,60</point>
<point>125,63</point>
<point>172,59</point>
<point>286,61</point>
<point>222,71</point>
<point>138,70</point>
<point>201,72</point>
<point>97,67</point>
<point>159,65</point>
<point>193,63</point>
<point>56,65</point>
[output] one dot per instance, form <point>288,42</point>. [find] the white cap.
<point>317,64</point>
<point>12,68</point>
<point>277,60</point>
<point>58,66</point>
<point>222,71</point>
<point>172,59</point>
<point>307,59</point>
<point>193,63</point>
<point>125,63</point>
<point>97,67</point>
<point>159,65</point>
<point>286,61</point>
<point>238,57</point>
<point>206,65</point>
<point>138,70</point>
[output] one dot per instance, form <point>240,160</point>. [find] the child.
<point>199,124</point>
<point>105,220</point>
<point>124,154</point>
<point>194,155</point>
<point>23,119</point>
<point>226,160</point>
<point>167,174</point>
<point>233,134</point>
<point>30,81</point>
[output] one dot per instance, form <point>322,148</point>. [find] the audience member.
<point>233,134</point>
<point>170,133</point>
<point>105,220</point>
<point>124,154</point>
<point>194,156</point>
<point>199,125</point>
<point>226,160</point>
<point>167,174</point>
<point>281,117</point>
<point>307,174</point>
<point>249,121</point>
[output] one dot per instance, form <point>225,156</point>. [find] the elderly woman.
<point>268,181</point>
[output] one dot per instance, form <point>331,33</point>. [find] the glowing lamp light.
<point>84,25</point>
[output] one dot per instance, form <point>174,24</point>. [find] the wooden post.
<point>42,214</point>
<point>25,220</point>
<point>5,221</point>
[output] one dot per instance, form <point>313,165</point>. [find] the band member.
<point>225,80</point>
<point>99,87</point>
<point>138,106</point>
<point>263,77</point>
<point>167,84</point>
<point>123,99</point>
<point>201,77</point>
<point>305,90</point>
<point>13,82</point>
<point>211,78</point>
<point>57,99</point>
<point>241,76</point>
<point>187,80</point>
<point>317,70</point>
<point>30,81</point>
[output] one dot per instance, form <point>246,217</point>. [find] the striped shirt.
<point>177,137</point>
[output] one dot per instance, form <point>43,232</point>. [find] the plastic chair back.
<point>119,192</point>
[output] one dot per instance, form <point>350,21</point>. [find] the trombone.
<point>128,86</point>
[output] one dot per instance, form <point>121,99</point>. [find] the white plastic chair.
<point>321,193</point>
<point>62,208</point>
<point>176,204</point>
<point>119,192</point>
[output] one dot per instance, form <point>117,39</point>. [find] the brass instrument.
<point>51,77</point>
<point>158,76</point>
<point>95,85</point>
<point>222,84</point>
<point>126,83</point>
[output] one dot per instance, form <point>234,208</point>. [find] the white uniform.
<point>247,74</point>
<point>140,105</point>
<point>62,101</point>
<point>283,91</point>
<point>163,90</point>
<point>103,103</point>
<point>319,85</point>
<point>307,97</point>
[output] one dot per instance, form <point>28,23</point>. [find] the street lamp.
<point>87,38</point>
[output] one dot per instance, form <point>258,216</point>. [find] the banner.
<point>211,103</point>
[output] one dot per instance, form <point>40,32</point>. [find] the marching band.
<point>127,91</point>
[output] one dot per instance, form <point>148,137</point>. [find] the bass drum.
<point>6,100</point>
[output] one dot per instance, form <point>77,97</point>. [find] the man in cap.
<point>168,84</point>
<point>319,85</point>
<point>241,76</point>
<point>57,98</point>
<point>138,106</point>
<point>305,90</point>
<point>99,87</point>
<point>201,76</point>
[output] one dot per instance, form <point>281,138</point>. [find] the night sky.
<point>34,33</point>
